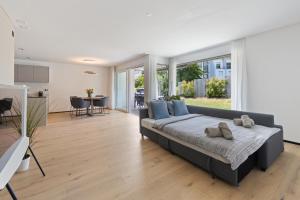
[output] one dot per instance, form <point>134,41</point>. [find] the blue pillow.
<point>159,109</point>
<point>170,107</point>
<point>180,108</point>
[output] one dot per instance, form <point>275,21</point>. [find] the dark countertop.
<point>36,97</point>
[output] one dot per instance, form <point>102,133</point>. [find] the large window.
<point>206,82</point>
<point>163,80</point>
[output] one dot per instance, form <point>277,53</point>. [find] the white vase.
<point>24,166</point>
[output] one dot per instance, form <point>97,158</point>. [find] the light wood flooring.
<point>104,157</point>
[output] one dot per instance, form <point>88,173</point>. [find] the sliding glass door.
<point>122,91</point>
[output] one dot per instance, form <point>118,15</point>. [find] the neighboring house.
<point>219,68</point>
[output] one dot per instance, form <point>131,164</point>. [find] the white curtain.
<point>151,88</point>
<point>172,77</point>
<point>238,76</point>
<point>153,78</point>
<point>111,87</point>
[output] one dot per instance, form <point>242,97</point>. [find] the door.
<point>121,91</point>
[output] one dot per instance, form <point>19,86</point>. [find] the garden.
<point>198,91</point>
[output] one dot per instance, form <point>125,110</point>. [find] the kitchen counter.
<point>42,107</point>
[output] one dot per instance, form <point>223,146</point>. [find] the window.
<point>228,65</point>
<point>211,88</point>
<point>163,80</point>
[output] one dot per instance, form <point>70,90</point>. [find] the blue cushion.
<point>159,109</point>
<point>170,107</point>
<point>180,108</point>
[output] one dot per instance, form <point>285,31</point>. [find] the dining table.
<point>91,100</point>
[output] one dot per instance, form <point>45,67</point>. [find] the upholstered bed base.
<point>262,158</point>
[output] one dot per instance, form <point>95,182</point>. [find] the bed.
<point>216,165</point>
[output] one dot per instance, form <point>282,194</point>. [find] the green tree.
<point>163,81</point>
<point>189,73</point>
<point>139,82</point>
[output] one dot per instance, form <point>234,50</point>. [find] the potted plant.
<point>90,91</point>
<point>34,117</point>
<point>173,97</point>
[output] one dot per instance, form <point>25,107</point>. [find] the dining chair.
<point>5,105</point>
<point>72,109</point>
<point>140,101</point>
<point>99,104</point>
<point>106,101</point>
<point>79,104</point>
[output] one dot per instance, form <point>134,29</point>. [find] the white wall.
<point>70,80</point>
<point>210,52</point>
<point>138,62</point>
<point>273,77</point>
<point>6,49</point>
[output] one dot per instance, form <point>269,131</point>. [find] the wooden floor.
<point>104,157</point>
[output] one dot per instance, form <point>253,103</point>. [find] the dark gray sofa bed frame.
<point>262,158</point>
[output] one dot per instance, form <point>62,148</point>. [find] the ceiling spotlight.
<point>148,14</point>
<point>24,27</point>
<point>88,60</point>
<point>20,21</point>
<point>22,24</point>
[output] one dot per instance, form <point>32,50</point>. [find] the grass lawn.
<point>211,103</point>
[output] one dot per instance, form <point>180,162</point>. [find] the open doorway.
<point>137,96</point>
<point>162,80</point>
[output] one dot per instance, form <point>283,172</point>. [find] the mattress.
<point>148,123</point>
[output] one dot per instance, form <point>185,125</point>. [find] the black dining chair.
<point>101,104</point>
<point>140,100</point>
<point>79,105</point>
<point>72,109</point>
<point>106,101</point>
<point>5,105</point>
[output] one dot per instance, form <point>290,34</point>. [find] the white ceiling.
<point>117,30</point>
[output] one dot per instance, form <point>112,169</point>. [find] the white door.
<point>121,91</point>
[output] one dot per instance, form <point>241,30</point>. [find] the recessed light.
<point>88,60</point>
<point>148,14</point>
<point>20,49</point>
